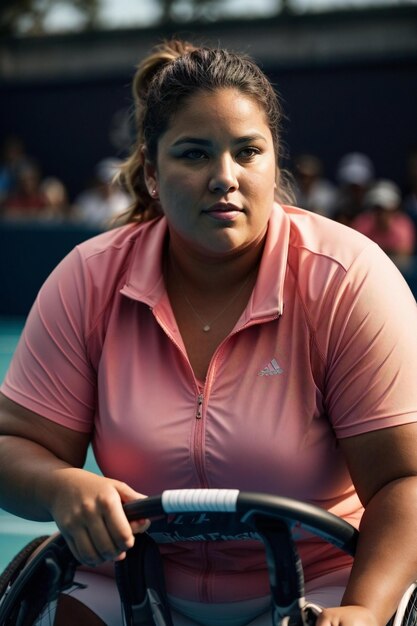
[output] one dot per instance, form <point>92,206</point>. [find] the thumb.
<point>127,494</point>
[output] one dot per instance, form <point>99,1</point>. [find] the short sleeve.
<point>371,347</point>
<point>50,372</point>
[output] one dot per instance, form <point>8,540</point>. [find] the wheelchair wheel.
<point>223,515</point>
<point>231,512</point>
<point>15,566</point>
<point>406,614</point>
<point>32,591</point>
<point>32,582</point>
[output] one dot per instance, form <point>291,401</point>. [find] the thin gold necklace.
<point>206,326</point>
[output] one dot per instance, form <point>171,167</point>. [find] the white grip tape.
<point>195,500</point>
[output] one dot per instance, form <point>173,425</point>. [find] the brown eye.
<point>248,153</point>
<point>194,155</point>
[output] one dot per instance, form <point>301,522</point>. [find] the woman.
<point>220,339</point>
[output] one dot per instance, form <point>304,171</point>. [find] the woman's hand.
<point>346,616</point>
<point>88,510</point>
<point>41,479</point>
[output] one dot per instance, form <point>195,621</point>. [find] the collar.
<point>145,281</point>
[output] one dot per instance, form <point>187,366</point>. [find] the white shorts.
<point>102,597</point>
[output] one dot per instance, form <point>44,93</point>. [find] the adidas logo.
<point>272,369</point>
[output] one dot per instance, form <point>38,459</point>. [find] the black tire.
<point>34,580</point>
<point>13,569</point>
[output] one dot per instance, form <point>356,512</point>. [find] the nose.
<point>224,176</point>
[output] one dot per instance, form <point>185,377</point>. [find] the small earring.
<point>154,192</point>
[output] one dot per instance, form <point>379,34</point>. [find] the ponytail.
<point>131,174</point>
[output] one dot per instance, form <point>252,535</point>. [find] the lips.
<point>223,211</point>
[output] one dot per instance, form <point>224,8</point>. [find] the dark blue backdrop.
<point>331,109</point>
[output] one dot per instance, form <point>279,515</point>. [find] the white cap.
<point>355,168</point>
<point>107,168</point>
<point>384,194</point>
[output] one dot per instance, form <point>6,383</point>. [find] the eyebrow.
<point>206,142</point>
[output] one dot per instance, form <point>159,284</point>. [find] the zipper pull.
<point>199,413</point>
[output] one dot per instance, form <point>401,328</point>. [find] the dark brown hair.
<point>173,72</point>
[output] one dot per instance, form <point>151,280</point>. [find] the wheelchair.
<point>32,583</point>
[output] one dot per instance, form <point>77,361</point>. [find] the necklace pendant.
<point>206,328</point>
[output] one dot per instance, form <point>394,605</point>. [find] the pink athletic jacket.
<point>326,349</point>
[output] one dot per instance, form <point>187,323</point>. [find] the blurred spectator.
<point>355,173</point>
<point>27,201</point>
<point>13,158</point>
<point>385,222</point>
<point>57,205</point>
<point>104,200</point>
<point>313,192</point>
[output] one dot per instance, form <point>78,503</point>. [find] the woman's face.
<point>215,174</point>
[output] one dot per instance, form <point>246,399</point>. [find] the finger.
<point>117,525</point>
<point>82,547</point>
<point>103,540</point>
<point>127,494</point>
<point>323,619</point>
<point>140,525</point>
<point>88,533</point>
<point>90,538</point>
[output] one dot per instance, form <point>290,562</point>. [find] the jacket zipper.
<point>198,441</point>
<point>198,449</point>
<point>205,576</point>
<point>199,413</point>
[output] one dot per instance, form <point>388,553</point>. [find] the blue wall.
<point>68,125</point>
<point>28,253</point>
